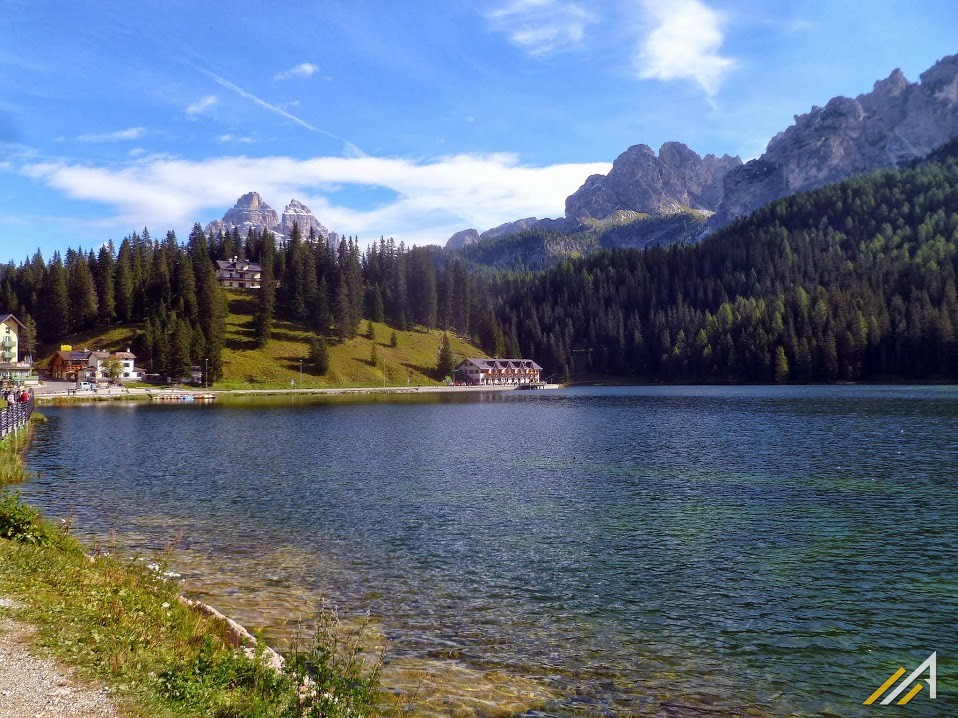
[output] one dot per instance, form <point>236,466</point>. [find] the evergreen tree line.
<point>170,287</point>
<point>855,281</point>
<point>333,288</point>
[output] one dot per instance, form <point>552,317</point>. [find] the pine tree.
<point>394,340</point>
<point>180,363</point>
<point>343,313</point>
<point>446,362</point>
<point>28,337</point>
<point>318,357</point>
<point>781,366</point>
<point>266,302</point>
<point>82,293</point>
<point>123,285</point>
<point>55,301</point>
<point>105,285</point>
<point>211,304</point>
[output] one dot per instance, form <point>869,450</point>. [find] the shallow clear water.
<point>624,551</point>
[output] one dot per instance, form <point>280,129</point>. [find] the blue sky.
<point>410,119</point>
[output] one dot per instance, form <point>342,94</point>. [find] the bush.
<point>338,675</point>
<point>23,523</point>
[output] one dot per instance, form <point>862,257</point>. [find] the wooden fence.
<point>15,417</point>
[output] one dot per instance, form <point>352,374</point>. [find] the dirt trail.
<point>35,687</point>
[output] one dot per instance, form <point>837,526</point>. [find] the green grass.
<point>246,366</point>
<point>278,363</point>
<point>117,621</point>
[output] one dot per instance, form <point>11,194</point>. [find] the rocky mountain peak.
<point>643,181</point>
<point>251,212</point>
<point>298,213</point>
<point>893,85</point>
<point>462,239</point>
<point>896,122</point>
<point>509,228</point>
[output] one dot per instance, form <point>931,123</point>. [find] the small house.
<point>238,273</point>
<point>114,365</point>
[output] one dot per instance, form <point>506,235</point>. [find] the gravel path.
<point>34,687</point>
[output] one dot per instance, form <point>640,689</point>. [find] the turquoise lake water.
<point>676,551</point>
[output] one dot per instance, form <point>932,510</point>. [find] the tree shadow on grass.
<point>242,305</point>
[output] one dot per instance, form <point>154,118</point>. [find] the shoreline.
<point>145,394</point>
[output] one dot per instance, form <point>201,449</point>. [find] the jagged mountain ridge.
<point>675,180</point>
<point>641,184</point>
<point>251,212</point>
<point>896,122</point>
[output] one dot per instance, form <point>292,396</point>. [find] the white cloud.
<point>542,26</point>
<point>132,133</point>
<point>200,106</point>
<point>304,69</point>
<point>234,138</point>
<point>432,199</point>
<point>684,44</point>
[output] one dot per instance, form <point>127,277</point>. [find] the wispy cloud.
<point>684,44</point>
<point>132,133</point>
<point>245,139</point>
<point>350,148</point>
<point>200,106</point>
<point>542,26</point>
<point>432,199</point>
<point>304,69</point>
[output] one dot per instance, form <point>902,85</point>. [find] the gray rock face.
<point>298,213</point>
<point>673,181</point>
<point>897,121</point>
<point>250,211</point>
<point>509,228</point>
<point>462,239</point>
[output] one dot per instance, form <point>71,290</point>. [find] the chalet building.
<point>85,365</point>
<point>70,365</point>
<point>238,273</point>
<point>483,372</point>
<point>11,368</point>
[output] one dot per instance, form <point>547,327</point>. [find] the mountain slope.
<point>853,281</point>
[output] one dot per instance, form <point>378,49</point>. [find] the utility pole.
<point>300,374</point>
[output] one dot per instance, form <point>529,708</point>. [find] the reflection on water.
<point>638,551</point>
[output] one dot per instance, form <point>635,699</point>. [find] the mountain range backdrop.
<point>831,257</point>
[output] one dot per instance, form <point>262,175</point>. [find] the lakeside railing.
<point>15,416</point>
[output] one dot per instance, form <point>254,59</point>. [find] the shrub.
<point>23,523</point>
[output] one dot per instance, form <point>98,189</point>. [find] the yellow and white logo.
<point>930,665</point>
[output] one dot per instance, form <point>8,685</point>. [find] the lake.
<point>677,551</point>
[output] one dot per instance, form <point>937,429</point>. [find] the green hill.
<point>246,366</point>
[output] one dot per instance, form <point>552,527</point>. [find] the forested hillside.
<point>856,281</point>
<point>169,289</point>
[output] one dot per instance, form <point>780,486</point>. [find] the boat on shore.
<point>183,396</point>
